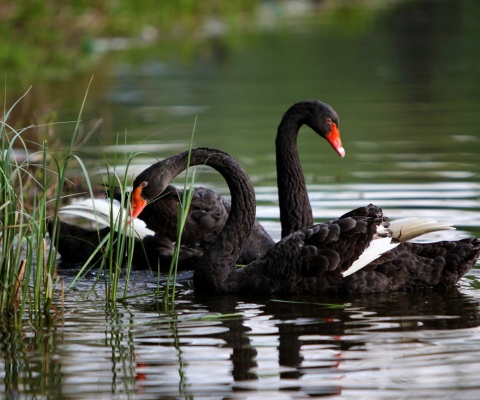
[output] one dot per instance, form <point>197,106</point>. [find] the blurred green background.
<point>404,77</point>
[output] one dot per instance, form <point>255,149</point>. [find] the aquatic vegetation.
<point>32,181</point>
<point>118,245</point>
<point>188,192</point>
<point>27,264</point>
<point>32,191</point>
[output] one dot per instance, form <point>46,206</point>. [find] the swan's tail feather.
<point>372,252</point>
<point>406,229</point>
<point>100,211</point>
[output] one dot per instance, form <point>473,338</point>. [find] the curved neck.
<point>295,209</point>
<point>220,256</point>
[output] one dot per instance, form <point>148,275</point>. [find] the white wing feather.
<point>376,248</point>
<point>402,230</point>
<point>101,210</point>
<point>406,229</point>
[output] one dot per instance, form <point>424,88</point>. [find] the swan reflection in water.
<point>312,344</point>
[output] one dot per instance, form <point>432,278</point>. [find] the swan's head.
<point>321,118</point>
<point>147,186</point>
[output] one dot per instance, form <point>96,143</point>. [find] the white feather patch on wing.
<point>376,248</point>
<point>406,229</point>
<point>101,210</point>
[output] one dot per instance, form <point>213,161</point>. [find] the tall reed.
<point>118,246</point>
<point>185,202</point>
<point>115,251</point>
<point>113,247</point>
<point>27,265</point>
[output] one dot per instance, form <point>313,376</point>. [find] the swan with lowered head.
<point>328,257</point>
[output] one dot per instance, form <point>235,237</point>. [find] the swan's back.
<point>315,260</point>
<point>309,260</point>
<point>207,216</point>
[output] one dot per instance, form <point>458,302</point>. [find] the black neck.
<point>219,257</point>
<point>295,209</point>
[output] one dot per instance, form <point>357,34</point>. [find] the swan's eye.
<point>329,121</point>
<point>143,184</point>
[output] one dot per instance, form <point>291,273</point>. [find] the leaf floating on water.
<point>328,305</point>
<point>217,317</point>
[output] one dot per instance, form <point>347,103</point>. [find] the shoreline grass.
<point>31,194</point>
<point>28,275</point>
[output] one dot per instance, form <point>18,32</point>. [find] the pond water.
<point>405,81</point>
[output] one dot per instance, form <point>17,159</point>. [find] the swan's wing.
<point>96,210</point>
<point>401,230</point>
<point>376,248</point>
<point>87,212</point>
<point>100,211</point>
<point>406,229</point>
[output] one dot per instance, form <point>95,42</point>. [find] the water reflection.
<point>305,346</point>
<point>323,349</point>
<point>29,362</point>
<point>234,346</point>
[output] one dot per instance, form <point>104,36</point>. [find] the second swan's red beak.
<point>334,139</point>
<point>138,202</point>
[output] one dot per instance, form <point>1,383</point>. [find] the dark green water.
<point>405,81</point>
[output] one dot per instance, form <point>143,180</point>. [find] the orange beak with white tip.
<point>334,139</point>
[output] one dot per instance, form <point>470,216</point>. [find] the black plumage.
<point>308,260</point>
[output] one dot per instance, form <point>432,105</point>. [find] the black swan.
<point>208,211</point>
<point>295,210</point>
<point>328,257</point>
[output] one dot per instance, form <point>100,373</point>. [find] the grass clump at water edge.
<point>28,276</point>
<point>27,265</point>
<point>117,248</point>
<point>168,296</point>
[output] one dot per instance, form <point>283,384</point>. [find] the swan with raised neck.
<point>295,209</point>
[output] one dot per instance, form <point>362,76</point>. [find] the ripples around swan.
<point>395,345</point>
<point>416,345</point>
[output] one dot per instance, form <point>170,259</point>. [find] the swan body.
<point>400,230</point>
<point>318,259</point>
<point>375,249</point>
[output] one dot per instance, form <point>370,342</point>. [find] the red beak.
<point>334,139</point>
<point>138,202</point>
